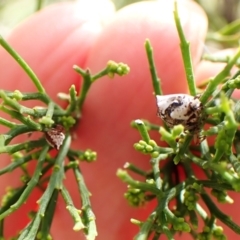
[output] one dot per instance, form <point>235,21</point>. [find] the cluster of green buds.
<point>221,196</point>
<point>135,197</point>
<point>117,68</point>
<point>208,233</point>
<point>190,199</point>
<point>147,148</point>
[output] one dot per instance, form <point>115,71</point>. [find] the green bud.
<point>197,187</point>
<point>186,227</point>
<point>67,121</point>
<point>138,146</point>
<point>143,143</point>
<point>149,148</point>
<point>152,143</point>
<point>110,75</point>
<point>8,196</point>
<point>150,181</point>
<point>16,156</point>
<point>46,121</point>
<point>135,197</point>
<point>89,155</point>
<point>177,130</point>
<point>155,154</point>
<point>117,68</point>
<point>17,95</point>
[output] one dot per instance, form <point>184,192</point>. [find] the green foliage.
<point>218,161</point>
<point>51,120</point>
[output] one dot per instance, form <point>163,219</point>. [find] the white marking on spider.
<point>182,109</point>
<point>55,136</point>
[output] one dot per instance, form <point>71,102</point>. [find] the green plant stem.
<point>230,28</point>
<point>73,101</point>
<point>214,184</point>
<point>146,227</point>
<point>142,130</point>
<point>55,182</point>
<point>156,172</point>
<point>30,96</point>
<point>86,84</point>
<point>7,123</point>
<point>229,178</point>
<point>12,103</point>
<point>153,71</point>
<point>100,74</point>
<point>25,120</point>
<point>151,126</point>
<point>48,217</point>
<point>186,54</point>
<point>124,176</point>
<point>168,233</point>
<point>213,84</point>
<point>220,215</point>
<point>19,162</point>
<point>23,64</point>
<point>193,218</point>
<point>31,184</point>
<point>235,163</point>
<point>182,149</point>
<point>86,206</point>
<point>16,131</point>
<point>135,169</point>
<point>229,40</point>
<point>29,145</point>
<point>50,110</point>
<point>223,59</point>
<point>15,194</point>
<point>72,210</point>
<point>170,194</point>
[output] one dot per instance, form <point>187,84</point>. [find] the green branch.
<point>23,64</point>
<point>186,54</point>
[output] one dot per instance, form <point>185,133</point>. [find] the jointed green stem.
<point>23,64</point>
<point>48,216</point>
<point>86,84</point>
<point>10,149</point>
<point>86,205</point>
<point>31,184</point>
<point>55,182</point>
<point>219,78</point>
<point>135,169</point>
<point>186,54</point>
<point>75,213</point>
<point>25,120</point>
<point>142,130</point>
<point>19,162</point>
<point>155,79</point>
<point>7,123</point>
<point>137,184</point>
<point>220,215</point>
<point>156,172</point>
<point>146,227</point>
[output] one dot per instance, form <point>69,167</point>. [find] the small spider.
<point>182,109</point>
<point>55,136</point>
